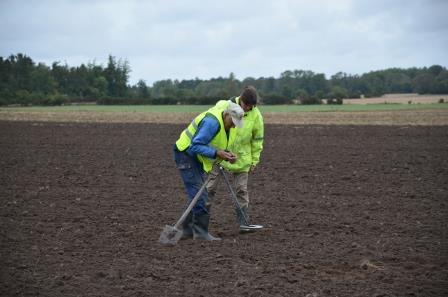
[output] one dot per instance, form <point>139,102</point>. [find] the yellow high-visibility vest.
<point>219,142</point>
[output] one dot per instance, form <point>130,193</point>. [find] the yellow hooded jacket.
<point>246,142</point>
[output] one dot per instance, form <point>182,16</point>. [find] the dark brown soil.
<point>347,210</point>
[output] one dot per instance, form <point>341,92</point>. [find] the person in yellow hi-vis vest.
<point>247,143</point>
<point>200,145</point>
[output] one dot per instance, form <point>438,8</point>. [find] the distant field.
<point>399,98</point>
<point>200,108</point>
<point>110,108</point>
<point>397,111</point>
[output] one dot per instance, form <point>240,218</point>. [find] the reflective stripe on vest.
<point>195,127</point>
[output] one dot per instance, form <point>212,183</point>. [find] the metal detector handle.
<point>192,203</point>
<point>232,193</point>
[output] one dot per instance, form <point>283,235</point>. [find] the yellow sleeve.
<point>257,139</point>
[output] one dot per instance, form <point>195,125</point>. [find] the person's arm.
<point>257,141</point>
<point>207,129</point>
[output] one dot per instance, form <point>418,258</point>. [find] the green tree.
<point>22,69</point>
<point>372,84</point>
<point>232,86</point>
<point>42,80</point>
<point>286,84</point>
<point>319,95</point>
<point>423,83</point>
<point>337,95</point>
<point>435,70</point>
<point>397,81</point>
<point>117,75</point>
<point>61,75</point>
<point>441,83</point>
<point>142,89</point>
<point>163,89</point>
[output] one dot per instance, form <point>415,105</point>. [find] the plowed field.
<point>347,210</point>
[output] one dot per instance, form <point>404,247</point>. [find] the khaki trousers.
<point>239,183</point>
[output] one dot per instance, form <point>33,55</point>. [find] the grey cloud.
<point>187,39</point>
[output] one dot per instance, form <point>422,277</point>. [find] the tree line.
<point>25,82</point>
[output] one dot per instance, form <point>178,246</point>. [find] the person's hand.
<point>227,156</point>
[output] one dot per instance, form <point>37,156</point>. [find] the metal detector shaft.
<point>192,203</point>
<point>233,195</point>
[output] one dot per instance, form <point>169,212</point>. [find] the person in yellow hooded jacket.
<point>247,143</point>
<point>200,145</point>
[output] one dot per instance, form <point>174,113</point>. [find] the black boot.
<point>200,227</point>
<point>187,225</point>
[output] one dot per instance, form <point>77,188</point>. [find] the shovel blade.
<point>170,235</point>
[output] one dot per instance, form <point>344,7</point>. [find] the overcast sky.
<point>187,39</point>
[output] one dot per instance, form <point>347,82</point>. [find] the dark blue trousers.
<point>193,176</point>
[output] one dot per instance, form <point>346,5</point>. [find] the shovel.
<point>171,234</point>
<point>246,227</point>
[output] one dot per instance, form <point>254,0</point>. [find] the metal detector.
<point>246,227</point>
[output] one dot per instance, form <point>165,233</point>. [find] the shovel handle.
<point>192,203</point>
